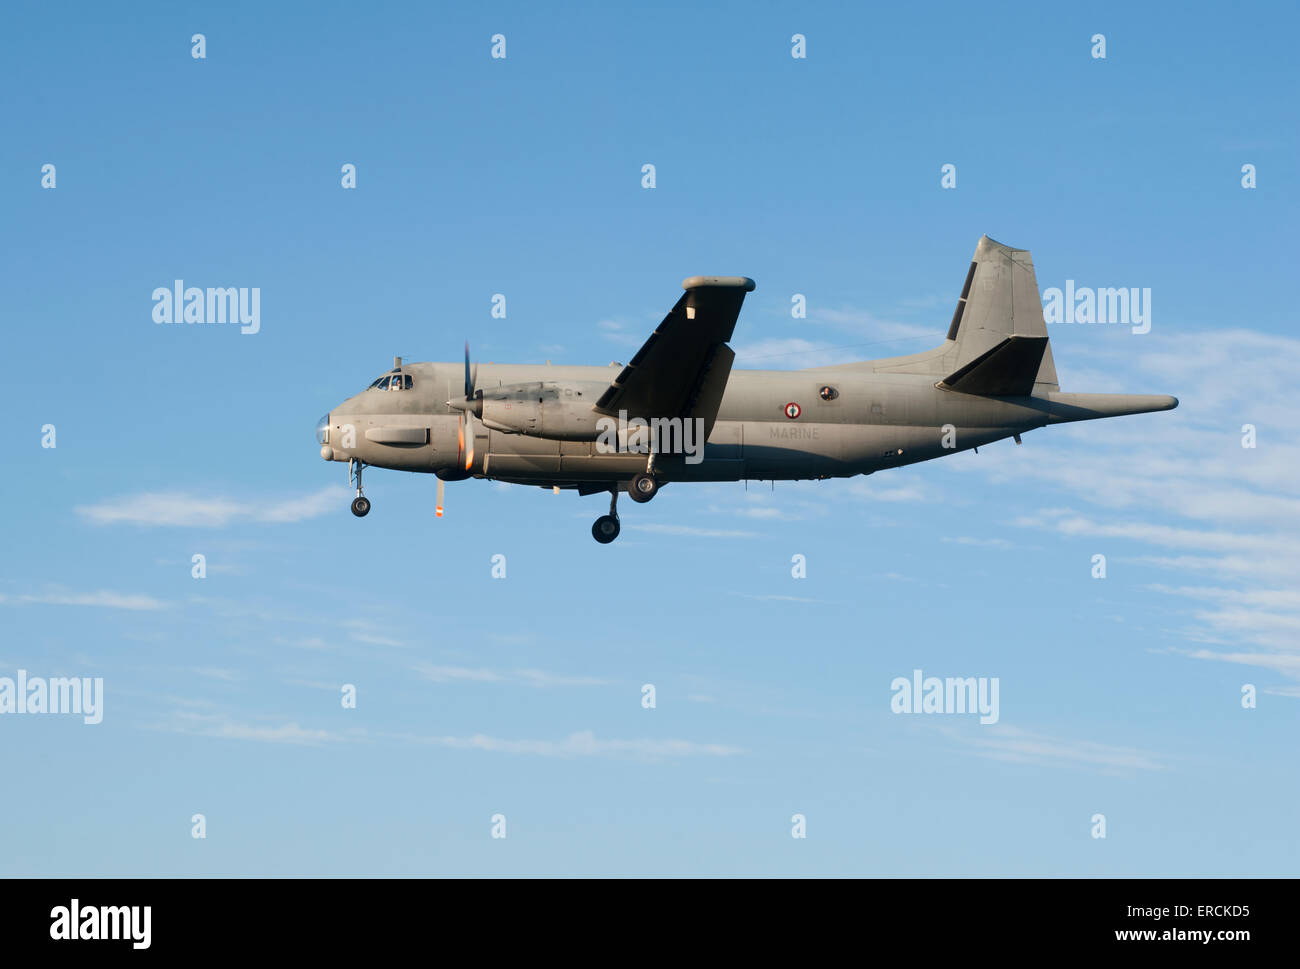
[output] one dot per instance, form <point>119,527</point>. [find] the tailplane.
<point>1008,370</point>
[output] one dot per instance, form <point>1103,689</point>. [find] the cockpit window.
<point>381,384</point>
<point>397,381</point>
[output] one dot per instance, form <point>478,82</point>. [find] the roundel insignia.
<point>792,410</point>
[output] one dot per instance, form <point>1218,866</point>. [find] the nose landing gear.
<point>606,527</point>
<point>360,504</point>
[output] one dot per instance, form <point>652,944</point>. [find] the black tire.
<point>361,506</point>
<point>605,529</point>
<point>642,487</point>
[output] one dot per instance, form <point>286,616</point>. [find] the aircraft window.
<point>381,383</point>
<point>828,393</point>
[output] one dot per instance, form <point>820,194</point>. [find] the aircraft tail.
<point>997,343</point>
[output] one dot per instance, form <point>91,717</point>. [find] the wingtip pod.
<point>1091,407</point>
<point>726,282</point>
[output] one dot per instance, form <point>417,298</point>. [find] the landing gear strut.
<point>606,527</point>
<point>360,504</point>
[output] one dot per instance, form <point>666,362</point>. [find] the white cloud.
<point>889,490</point>
<point>216,673</point>
<point>450,674</point>
<point>878,337</point>
<point>543,679</point>
<point>1003,742</point>
<point>579,744</point>
<point>585,744</point>
<point>527,677</point>
<point>219,725</point>
<point>194,511</point>
<point>778,598</point>
<point>691,530</point>
<point>1177,492</point>
<point>978,542</point>
<point>102,599</point>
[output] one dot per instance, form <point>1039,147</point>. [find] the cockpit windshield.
<point>396,381</point>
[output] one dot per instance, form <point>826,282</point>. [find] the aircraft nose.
<point>323,438</point>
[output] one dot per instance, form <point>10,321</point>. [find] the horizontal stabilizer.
<point>1007,370</point>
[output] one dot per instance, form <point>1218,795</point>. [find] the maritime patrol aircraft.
<point>678,412</point>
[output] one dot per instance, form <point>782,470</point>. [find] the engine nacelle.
<point>559,411</point>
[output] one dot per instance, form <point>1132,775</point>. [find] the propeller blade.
<point>469,381</point>
<point>469,440</point>
<point>437,507</point>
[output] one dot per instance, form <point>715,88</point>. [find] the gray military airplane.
<point>678,412</point>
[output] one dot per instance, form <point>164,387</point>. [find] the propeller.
<point>469,380</point>
<point>465,426</point>
<point>437,507</point>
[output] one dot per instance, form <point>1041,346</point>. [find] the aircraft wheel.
<point>642,487</point>
<point>605,529</point>
<point>361,506</point>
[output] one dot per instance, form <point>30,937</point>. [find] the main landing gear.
<point>606,528</point>
<point>644,485</point>
<point>360,504</point>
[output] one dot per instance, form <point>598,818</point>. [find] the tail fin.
<point>996,330</point>
<point>1000,300</point>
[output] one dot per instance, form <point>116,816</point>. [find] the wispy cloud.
<point>618,332</point>
<point>1183,495</point>
<point>585,744</point>
<point>1002,742</point>
<point>977,542</point>
<point>832,329</point>
<point>889,490</point>
<point>216,673</point>
<point>778,598</point>
<point>222,726</point>
<point>526,677</point>
<point>691,530</point>
<point>101,599</point>
<point>196,511</point>
<point>582,743</point>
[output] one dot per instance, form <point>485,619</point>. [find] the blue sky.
<point>521,696</point>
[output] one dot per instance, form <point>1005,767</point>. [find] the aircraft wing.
<point>682,370</point>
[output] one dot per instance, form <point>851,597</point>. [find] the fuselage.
<point>772,425</point>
